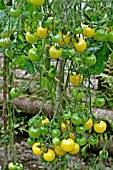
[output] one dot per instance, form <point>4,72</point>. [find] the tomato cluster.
<point>56,137</point>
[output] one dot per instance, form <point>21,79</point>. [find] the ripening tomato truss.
<point>61,49</point>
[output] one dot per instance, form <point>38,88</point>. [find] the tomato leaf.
<point>30,67</point>
<point>18,61</point>
<point>68,158</point>
<point>2,5</point>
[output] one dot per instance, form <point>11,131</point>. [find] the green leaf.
<point>68,158</point>
<point>2,5</point>
<point>76,166</point>
<point>30,67</point>
<point>18,61</point>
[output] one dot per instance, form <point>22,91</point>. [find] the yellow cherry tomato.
<point>100,127</point>
<point>88,125</point>
<point>81,45</point>
<point>88,32</point>
<point>66,126</point>
<point>37,2</point>
<point>42,32</point>
<point>49,155</point>
<point>31,38</point>
<point>75,79</point>
<point>55,53</point>
<point>72,136</point>
<point>58,150</point>
<point>67,144</point>
<point>64,39</point>
<point>75,150</point>
<point>45,121</point>
<point>36,148</point>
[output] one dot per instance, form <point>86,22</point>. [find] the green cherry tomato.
<point>56,141</point>
<point>37,16</point>
<point>80,129</point>
<point>67,114</point>
<point>19,166</point>
<point>15,92</point>
<point>38,121</point>
<point>55,133</point>
<point>103,154</point>
<point>37,2</point>
<point>34,132</point>
<point>77,30</point>
<point>52,72</point>
<point>30,141</point>
<point>80,95</point>
<point>9,52</point>
<point>99,101</point>
<point>14,13</point>
<point>31,38</point>
<point>55,38</point>
<point>81,140</point>
<point>46,23</point>
<point>33,55</point>
<point>76,120</point>
<point>11,166</point>
<point>91,60</point>
<point>43,130</point>
<point>101,35</point>
<point>92,140</point>
<point>85,118</point>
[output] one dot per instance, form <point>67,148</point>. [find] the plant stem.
<point>5,112</point>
